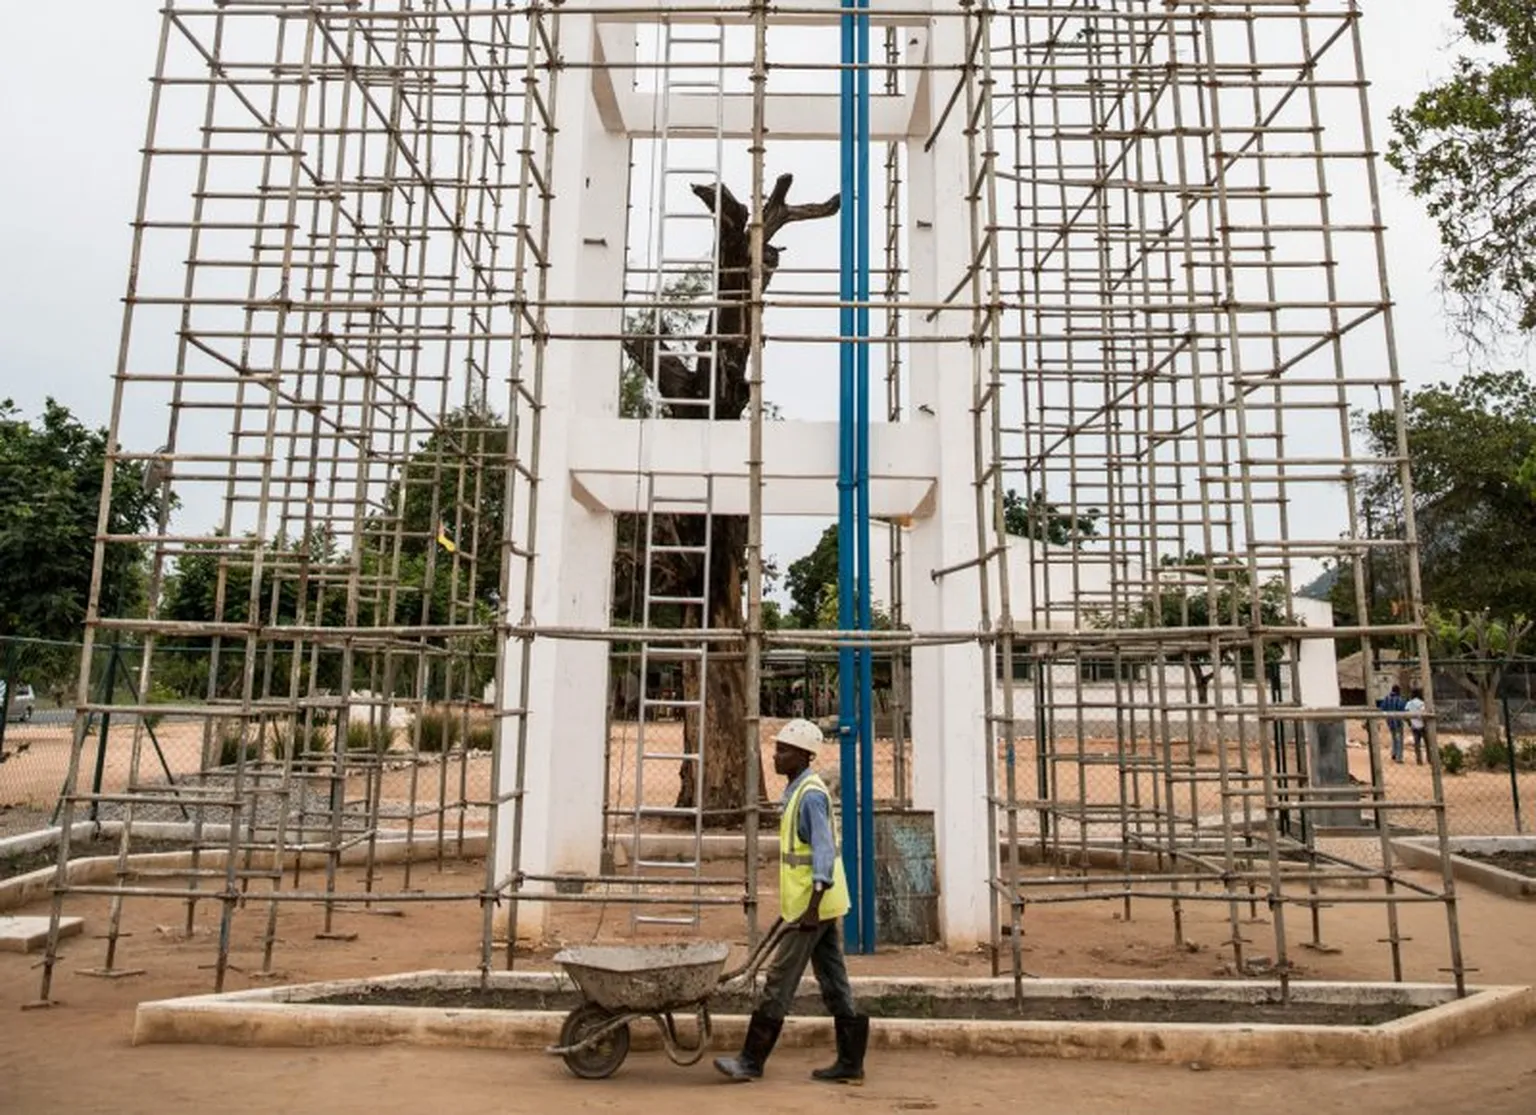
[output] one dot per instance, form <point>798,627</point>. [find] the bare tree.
<point>712,367</point>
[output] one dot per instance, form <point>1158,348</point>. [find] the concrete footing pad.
<point>1424,852</point>
<point>27,934</point>
<point>288,1016</point>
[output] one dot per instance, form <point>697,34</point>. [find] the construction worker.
<point>813,897</point>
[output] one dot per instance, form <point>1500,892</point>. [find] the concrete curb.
<point>21,890</point>
<point>282,1017</point>
<point>1424,852</point>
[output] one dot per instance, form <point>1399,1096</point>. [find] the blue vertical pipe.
<point>846,484</point>
<point>866,654</point>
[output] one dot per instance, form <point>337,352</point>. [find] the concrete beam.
<point>610,456</point>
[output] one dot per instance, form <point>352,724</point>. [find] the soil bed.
<point>1522,862</point>
<point>22,863</point>
<point>926,1006</point>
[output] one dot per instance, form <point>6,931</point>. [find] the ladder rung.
<point>666,811</point>
<point>673,652</point>
<point>652,919</point>
<point>675,756</point>
<point>652,702</point>
<point>679,549</point>
<point>678,600</point>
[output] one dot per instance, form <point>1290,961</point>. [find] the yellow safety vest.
<point>795,881</point>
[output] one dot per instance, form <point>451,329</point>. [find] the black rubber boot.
<point>852,1042</point>
<point>762,1035</point>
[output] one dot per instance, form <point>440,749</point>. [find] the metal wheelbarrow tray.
<point>620,984</point>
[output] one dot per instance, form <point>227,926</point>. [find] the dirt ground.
<point>76,1057</point>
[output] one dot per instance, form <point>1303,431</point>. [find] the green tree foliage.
<point>50,492</point>
<point>1197,591</point>
<point>1469,444</point>
<point>455,482</point>
<point>1468,148</point>
<point>808,578</point>
<point>1219,594</point>
<point>1044,521</point>
<point>1477,648</point>
<point>449,493</point>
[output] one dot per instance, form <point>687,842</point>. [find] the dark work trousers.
<point>823,949</point>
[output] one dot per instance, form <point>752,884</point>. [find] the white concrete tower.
<point>921,470</point>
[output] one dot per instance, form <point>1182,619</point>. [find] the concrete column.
<point>950,745</point>
<point>573,575</point>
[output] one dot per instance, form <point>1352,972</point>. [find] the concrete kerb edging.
<point>283,1017</point>
<point>392,846</point>
<point>1424,852</point>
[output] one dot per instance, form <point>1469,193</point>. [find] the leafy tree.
<point>1203,593</point>
<point>50,488</point>
<point>1470,444</point>
<point>454,484</point>
<point>1198,591</point>
<point>1466,147</point>
<point>1042,520</point>
<point>1478,648</point>
<point>808,578</point>
<point>306,570</point>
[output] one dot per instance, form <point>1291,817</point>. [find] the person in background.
<point>1416,724</point>
<point>1393,702</point>
<point>813,897</point>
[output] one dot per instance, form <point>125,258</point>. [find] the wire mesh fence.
<point>395,763</point>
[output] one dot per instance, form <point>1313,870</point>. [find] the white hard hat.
<point>801,734</point>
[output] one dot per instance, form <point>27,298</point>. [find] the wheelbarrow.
<point>620,984</point>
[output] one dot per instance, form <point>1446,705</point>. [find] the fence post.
<point>108,686</point>
<point>1514,781</point>
<point>10,681</point>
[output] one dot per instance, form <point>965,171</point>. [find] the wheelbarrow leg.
<point>762,1036</point>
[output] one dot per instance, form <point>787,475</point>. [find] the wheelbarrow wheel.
<point>603,1057</point>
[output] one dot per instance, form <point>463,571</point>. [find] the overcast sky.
<point>73,94</point>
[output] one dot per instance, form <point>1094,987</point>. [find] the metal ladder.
<point>668,496</point>
<point>693,65</point>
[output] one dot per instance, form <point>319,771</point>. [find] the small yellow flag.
<point>444,541</point>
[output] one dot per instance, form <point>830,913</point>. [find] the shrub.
<point>1525,754</point>
<point>316,739</point>
<point>1453,760</point>
<point>439,731</point>
<point>1490,755</point>
<point>482,737</point>
<point>363,736</point>
<point>229,747</point>
<point>159,694</point>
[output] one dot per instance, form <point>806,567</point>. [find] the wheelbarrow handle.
<point>760,953</point>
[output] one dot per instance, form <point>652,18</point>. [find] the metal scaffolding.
<point>340,297</point>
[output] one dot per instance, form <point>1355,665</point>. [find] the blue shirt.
<point>814,827</point>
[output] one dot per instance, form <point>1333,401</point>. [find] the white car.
<point>20,706</point>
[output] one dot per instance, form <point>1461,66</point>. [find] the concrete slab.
<point>288,1016</point>
<point>1424,852</point>
<point>27,934</point>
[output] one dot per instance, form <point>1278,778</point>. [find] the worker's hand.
<point>811,919</point>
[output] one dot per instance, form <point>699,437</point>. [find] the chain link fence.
<point>1489,785</point>
<point>124,750</point>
